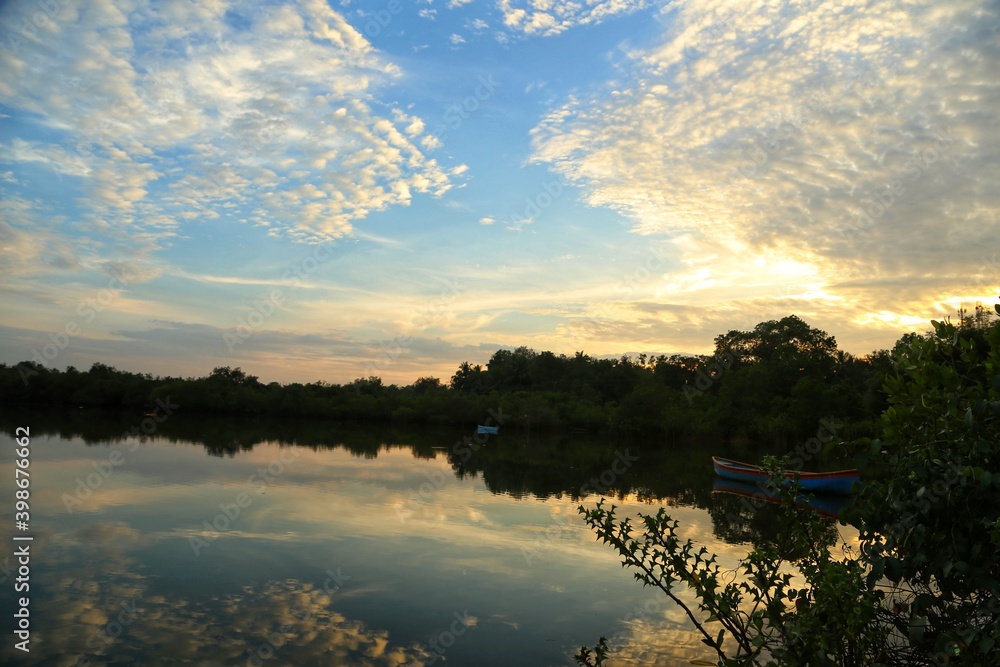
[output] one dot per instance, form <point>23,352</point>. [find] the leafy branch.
<point>762,617</point>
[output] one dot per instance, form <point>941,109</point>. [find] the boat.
<point>825,504</point>
<point>838,481</point>
<point>487,430</point>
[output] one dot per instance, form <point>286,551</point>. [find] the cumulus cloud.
<point>545,18</point>
<point>551,17</point>
<point>101,591</point>
<point>815,143</point>
<point>160,113</point>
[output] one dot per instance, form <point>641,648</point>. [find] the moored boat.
<point>487,430</point>
<point>838,481</point>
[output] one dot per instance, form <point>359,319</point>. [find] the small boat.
<point>487,430</point>
<point>838,481</point>
<point>825,504</point>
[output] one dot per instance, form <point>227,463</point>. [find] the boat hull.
<point>839,482</point>
<point>487,430</point>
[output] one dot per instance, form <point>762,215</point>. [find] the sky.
<point>324,190</point>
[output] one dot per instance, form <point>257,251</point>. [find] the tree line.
<point>773,383</point>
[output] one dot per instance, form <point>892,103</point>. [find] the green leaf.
<point>893,569</point>
<point>704,663</point>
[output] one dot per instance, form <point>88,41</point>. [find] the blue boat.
<point>487,430</point>
<point>838,481</point>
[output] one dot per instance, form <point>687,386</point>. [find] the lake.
<point>222,541</point>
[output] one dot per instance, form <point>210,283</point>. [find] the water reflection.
<point>109,610</point>
<point>748,519</point>
<point>542,466</point>
<point>305,543</point>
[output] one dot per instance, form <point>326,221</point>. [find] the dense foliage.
<point>757,615</point>
<point>924,586</point>
<point>930,518</point>
<point>770,383</point>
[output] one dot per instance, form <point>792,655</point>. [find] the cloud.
<point>49,155</point>
<point>29,242</point>
<point>801,143</point>
<point>486,221</point>
<point>551,17</point>
<point>115,610</point>
<point>157,113</point>
<point>545,18</point>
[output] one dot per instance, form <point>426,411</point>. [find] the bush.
<point>923,589</point>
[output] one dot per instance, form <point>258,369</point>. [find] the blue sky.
<point>322,191</point>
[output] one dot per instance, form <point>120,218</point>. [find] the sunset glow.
<point>324,190</point>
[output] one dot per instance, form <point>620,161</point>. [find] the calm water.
<point>229,542</point>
